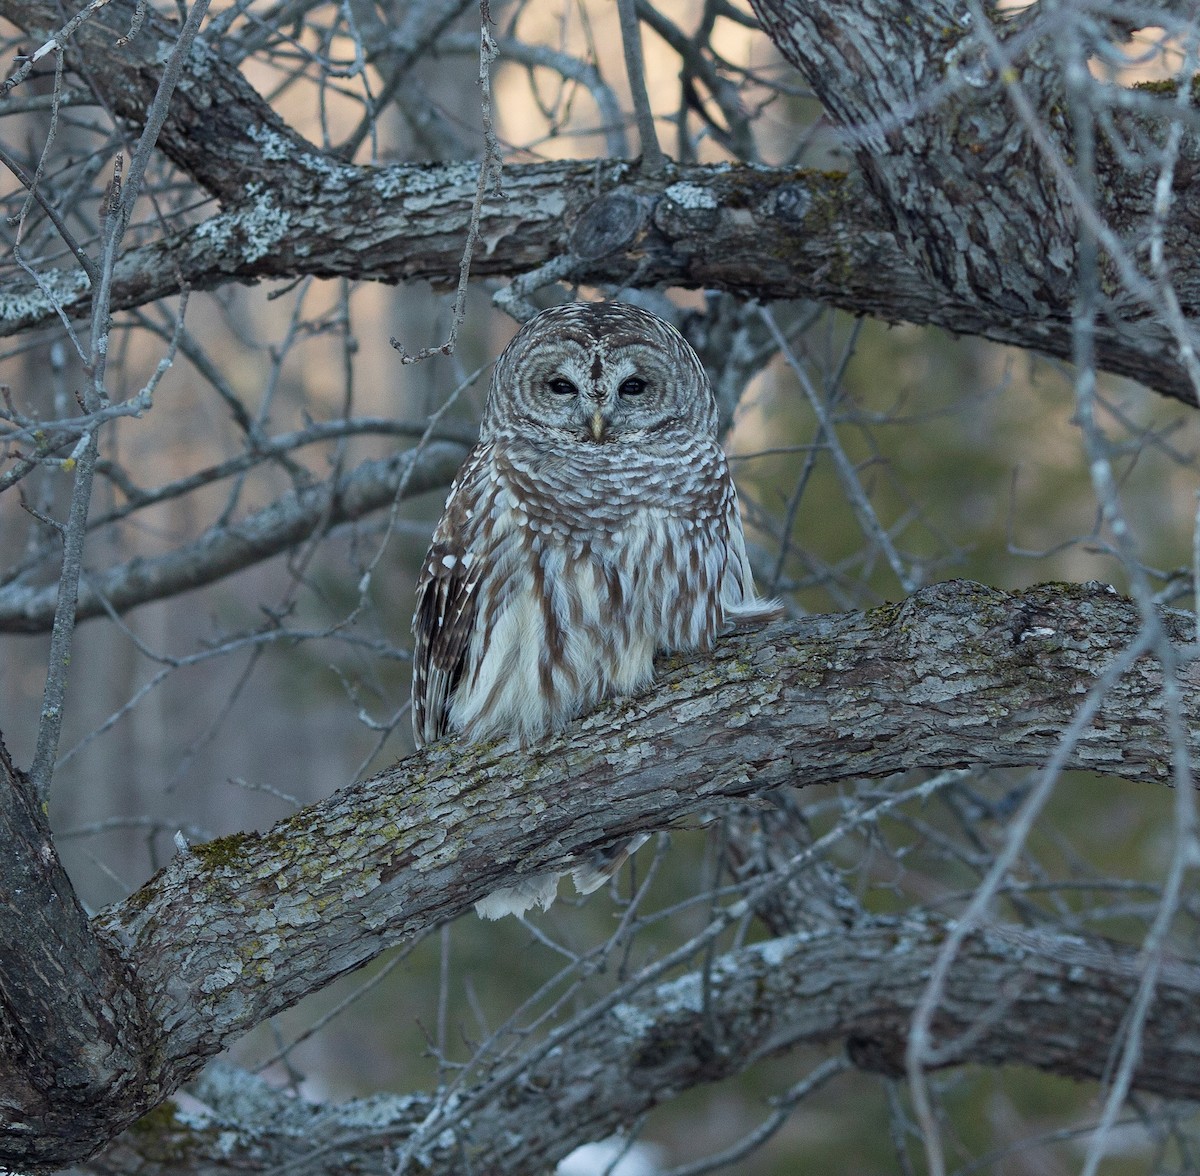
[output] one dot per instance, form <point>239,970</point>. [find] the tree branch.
<point>1016,997</point>
<point>236,930</point>
<point>982,203</point>
<point>941,170</point>
<point>71,1052</point>
<point>233,546</point>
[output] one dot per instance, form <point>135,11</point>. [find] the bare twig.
<point>653,160</point>
<point>488,181</point>
<point>67,594</point>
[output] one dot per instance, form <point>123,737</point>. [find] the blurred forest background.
<point>228,707</point>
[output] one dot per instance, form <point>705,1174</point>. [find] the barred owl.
<point>594,524</point>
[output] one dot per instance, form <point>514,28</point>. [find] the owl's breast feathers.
<point>595,494</point>
<point>553,579</point>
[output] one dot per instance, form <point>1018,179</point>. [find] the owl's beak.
<point>597,423</point>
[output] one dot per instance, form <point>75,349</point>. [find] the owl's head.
<point>600,373</point>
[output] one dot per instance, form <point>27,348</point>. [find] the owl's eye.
<point>561,387</point>
<point>632,387</point>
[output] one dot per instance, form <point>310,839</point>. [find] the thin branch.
<point>66,593</point>
<point>488,180</point>
<point>241,543</point>
<point>653,159</point>
<point>30,182</point>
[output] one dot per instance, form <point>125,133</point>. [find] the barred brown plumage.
<point>594,524</point>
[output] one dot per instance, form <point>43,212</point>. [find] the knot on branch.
<point>608,225</point>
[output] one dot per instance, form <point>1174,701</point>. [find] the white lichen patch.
<point>275,147</point>
<point>633,1020</point>
<point>259,225</point>
<point>378,1112</point>
<point>58,288</point>
<point>190,1112</point>
<point>264,223</point>
<point>335,175</point>
<point>227,1142</point>
<point>776,952</point>
<point>217,230</point>
<point>683,995</point>
<point>424,187</point>
<point>689,195</point>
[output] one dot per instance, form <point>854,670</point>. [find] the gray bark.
<point>234,931</point>
<point>955,219</point>
<point>72,1057</point>
<point>1015,997</point>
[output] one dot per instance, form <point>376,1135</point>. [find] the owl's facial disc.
<point>599,374</point>
<point>600,396</point>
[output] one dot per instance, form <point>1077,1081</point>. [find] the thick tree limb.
<point>758,232</point>
<point>236,930</point>
<point>958,224</point>
<point>68,1066</point>
<point>974,200</point>
<point>987,223</point>
<point>1016,997</point>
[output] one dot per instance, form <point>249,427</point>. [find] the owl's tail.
<point>604,863</point>
<point>752,612</point>
<point>540,890</point>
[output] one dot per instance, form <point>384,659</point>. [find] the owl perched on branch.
<point>594,524</point>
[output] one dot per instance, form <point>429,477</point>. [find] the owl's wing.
<point>446,600</point>
<point>740,602</point>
